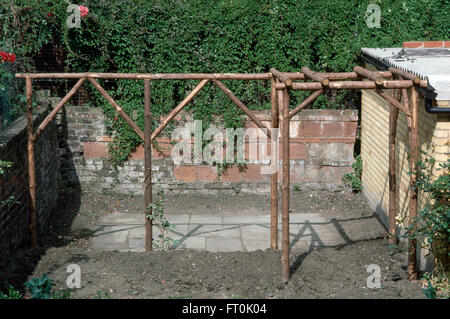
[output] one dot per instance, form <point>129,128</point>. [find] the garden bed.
<point>328,272</point>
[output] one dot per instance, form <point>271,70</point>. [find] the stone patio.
<point>125,232</point>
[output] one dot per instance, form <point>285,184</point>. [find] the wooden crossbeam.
<point>282,77</point>
<point>316,76</point>
<point>369,74</point>
<point>351,85</point>
<point>416,80</point>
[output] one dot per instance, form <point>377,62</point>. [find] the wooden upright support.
<point>31,164</point>
<point>148,165</point>
<point>286,184</point>
<point>274,167</point>
<point>414,152</point>
<point>393,116</point>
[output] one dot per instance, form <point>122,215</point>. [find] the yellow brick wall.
<point>434,138</point>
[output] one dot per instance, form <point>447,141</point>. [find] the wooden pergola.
<point>281,84</point>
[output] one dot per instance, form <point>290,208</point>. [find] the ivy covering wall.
<point>245,36</point>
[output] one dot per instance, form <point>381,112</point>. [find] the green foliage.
<point>104,295</point>
<point>353,179</point>
<point>40,288</point>
<point>430,291</point>
<point>11,294</point>
<point>3,165</point>
<point>431,226</point>
<point>178,36</point>
<point>163,241</point>
<point>11,200</point>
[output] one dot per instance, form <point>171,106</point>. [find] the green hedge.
<point>214,36</point>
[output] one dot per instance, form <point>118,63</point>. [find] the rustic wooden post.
<point>148,166</point>
<point>285,186</point>
<point>393,116</point>
<point>274,167</point>
<point>31,164</point>
<point>414,152</point>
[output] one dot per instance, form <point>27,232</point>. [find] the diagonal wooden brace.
<point>179,107</point>
<point>393,101</point>
<point>306,102</point>
<point>58,107</point>
<point>244,108</point>
<point>118,108</point>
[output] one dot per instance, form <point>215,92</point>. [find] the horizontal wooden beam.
<point>416,80</point>
<point>316,76</point>
<point>282,77</point>
<point>337,85</point>
<point>369,74</point>
<point>337,75</point>
<point>149,76</point>
<point>192,76</point>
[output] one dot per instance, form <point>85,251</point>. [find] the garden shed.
<point>428,60</point>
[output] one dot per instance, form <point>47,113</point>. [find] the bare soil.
<point>338,272</point>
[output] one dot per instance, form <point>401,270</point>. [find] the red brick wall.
<point>321,151</point>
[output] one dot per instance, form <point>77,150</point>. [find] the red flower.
<point>83,11</point>
<point>12,57</point>
<point>7,57</point>
<point>49,14</point>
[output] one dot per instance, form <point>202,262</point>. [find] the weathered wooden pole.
<point>393,116</point>
<point>285,186</point>
<point>31,164</point>
<point>414,152</point>
<point>148,165</point>
<point>274,168</point>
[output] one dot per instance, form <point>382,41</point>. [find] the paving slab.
<point>230,244</point>
<point>125,232</point>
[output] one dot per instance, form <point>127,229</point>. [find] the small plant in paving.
<point>353,179</point>
<point>11,294</point>
<point>297,188</point>
<point>157,216</point>
<point>40,288</point>
<point>105,295</point>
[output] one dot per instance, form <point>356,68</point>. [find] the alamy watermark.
<point>374,279</point>
<point>76,13</point>
<point>373,16</point>
<point>74,278</point>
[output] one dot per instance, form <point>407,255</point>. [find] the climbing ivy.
<point>179,36</point>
